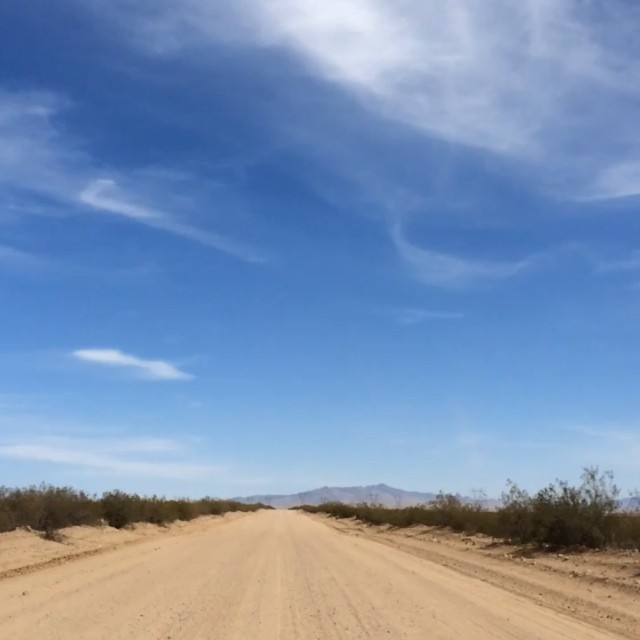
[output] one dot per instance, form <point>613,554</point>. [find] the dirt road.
<point>270,575</point>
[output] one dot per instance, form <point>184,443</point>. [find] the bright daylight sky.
<point>263,246</point>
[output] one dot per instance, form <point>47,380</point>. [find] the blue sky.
<point>265,246</point>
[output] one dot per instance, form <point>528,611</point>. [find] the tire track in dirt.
<point>271,575</point>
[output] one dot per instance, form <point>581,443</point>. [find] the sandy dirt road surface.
<point>269,575</point>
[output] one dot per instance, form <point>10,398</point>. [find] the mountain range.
<point>376,493</point>
<point>381,494</point>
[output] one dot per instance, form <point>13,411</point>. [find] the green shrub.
<point>557,516</point>
<point>46,508</point>
<point>118,508</point>
<point>564,516</point>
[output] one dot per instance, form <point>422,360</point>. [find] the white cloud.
<point>417,316</point>
<point>630,263</point>
<point>149,369</point>
<point>172,460</point>
<point>553,82</point>
<point>521,77</point>
<point>106,195</point>
<point>22,260</point>
<point>130,457</point>
<point>617,181</point>
<point>605,262</point>
<point>95,196</point>
<point>40,160</point>
<point>36,154</point>
<point>550,86</point>
<point>447,271</point>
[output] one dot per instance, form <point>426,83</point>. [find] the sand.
<point>286,575</point>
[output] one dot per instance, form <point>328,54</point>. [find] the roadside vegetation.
<point>47,508</point>
<point>558,516</point>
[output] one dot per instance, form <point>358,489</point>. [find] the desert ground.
<point>289,575</point>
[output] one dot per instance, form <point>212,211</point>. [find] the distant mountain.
<point>376,493</point>
<point>381,494</point>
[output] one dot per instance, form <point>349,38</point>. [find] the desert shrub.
<point>515,518</point>
<point>119,508</point>
<point>559,515</point>
<point>186,510</point>
<point>450,511</point>
<point>64,507</point>
<point>446,510</point>
<point>47,508</point>
<point>26,507</point>
<point>212,507</point>
<point>7,521</point>
<point>626,530</point>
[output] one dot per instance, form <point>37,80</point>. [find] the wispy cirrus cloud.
<point>113,455</point>
<point>106,195</point>
<point>124,456</point>
<point>45,168</point>
<point>555,84</point>
<point>32,265</point>
<point>19,260</point>
<point>448,271</point>
<point>621,180</point>
<point>147,369</point>
<point>409,315</point>
<point>604,261</point>
<point>548,89</point>
<point>628,263</point>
